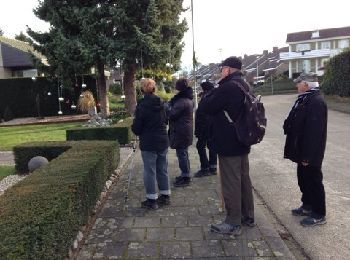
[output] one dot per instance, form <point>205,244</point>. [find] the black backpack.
<point>251,123</point>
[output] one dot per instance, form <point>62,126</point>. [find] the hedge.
<point>41,215</point>
<point>121,132</point>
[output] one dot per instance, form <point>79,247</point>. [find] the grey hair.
<point>312,84</point>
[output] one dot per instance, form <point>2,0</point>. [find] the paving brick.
<point>140,250</point>
<point>147,222</point>
<point>174,221</point>
<point>211,248</point>
<point>160,234</point>
<point>189,233</point>
<point>175,250</point>
<point>131,234</point>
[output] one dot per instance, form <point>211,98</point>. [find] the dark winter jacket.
<point>203,121</point>
<point>181,119</point>
<point>150,124</point>
<point>306,129</point>
<point>227,97</point>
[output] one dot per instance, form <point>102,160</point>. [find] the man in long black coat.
<point>306,134</point>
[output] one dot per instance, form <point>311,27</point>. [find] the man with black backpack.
<point>227,104</point>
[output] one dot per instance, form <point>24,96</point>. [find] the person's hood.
<point>152,102</point>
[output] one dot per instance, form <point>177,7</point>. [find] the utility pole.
<point>194,62</point>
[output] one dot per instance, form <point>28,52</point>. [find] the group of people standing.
<point>215,132</point>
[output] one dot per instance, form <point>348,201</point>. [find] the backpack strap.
<point>245,98</point>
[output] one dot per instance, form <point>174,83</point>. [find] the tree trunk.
<point>102,89</point>
<point>129,88</point>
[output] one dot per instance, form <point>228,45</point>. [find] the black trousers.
<point>206,164</point>
<point>312,189</point>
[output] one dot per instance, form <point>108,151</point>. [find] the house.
<point>309,50</point>
<point>16,59</point>
<point>255,67</point>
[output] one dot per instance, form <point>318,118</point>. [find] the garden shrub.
<point>41,215</point>
<point>121,132</point>
<point>336,80</point>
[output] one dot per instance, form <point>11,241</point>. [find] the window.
<point>303,47</point>
<point>344,43</point>
<point>315,34</point>
<point>306,66</point>
<point>325,45</point>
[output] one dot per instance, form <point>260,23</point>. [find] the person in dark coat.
<point>180,115</point>
<point>150,125</point>
<point>233,155</point>
<point>306,133</point>
<point>203,124</point>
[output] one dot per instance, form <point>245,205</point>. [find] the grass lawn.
<point>6,171</point>
<point>14,135</point>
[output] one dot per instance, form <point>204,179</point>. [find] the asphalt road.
<point>275,180</point>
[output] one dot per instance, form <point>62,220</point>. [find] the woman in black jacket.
<point>181,129</point>
<point>150,125</point>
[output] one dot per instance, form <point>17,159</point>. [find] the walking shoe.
<point>149,204</point>
<point>201,173</point>
<point>313,220</point>
<point>248,222</point>
<point>301,211</point>
<point>182,181</point>
<point>224,228</point>
<point>163,200</point>
<point>213,171</point>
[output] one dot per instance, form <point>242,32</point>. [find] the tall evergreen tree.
<point>97,33</point>
<point>22,37</point>
<point>151,33</point>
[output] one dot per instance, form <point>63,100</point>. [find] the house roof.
<point>18,53</point>
<point>323,34</point>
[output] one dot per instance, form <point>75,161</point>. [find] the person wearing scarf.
<point>306,133</point>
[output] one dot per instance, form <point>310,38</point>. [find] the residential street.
<point>275,180</point>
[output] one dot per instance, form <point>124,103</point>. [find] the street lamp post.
<point>194,62</point>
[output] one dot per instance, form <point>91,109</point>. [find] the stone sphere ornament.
<point>36,162</point>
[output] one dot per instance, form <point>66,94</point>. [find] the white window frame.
<point>326,45</point>
<point>343,43</point>
<point>303,47</point>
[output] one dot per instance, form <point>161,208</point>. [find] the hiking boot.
<point>313,220</point>
<point>301,211</point>
<point>201,173</point>
<point>224,228</point>
<point>163,200</point>
<point>149,204</point>
<point>182,181</point>
<point>213,171</point>
<point>248,222</point>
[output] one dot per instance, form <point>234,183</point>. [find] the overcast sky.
<point>234,27</point>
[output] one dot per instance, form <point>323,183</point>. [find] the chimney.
<point>275,49</point>
<point>265,52</point>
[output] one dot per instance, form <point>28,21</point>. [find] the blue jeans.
<point>155,165</point>
<point>184,162</point>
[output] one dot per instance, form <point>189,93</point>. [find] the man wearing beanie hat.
<point>203,123</point>
<point>233,155</point>
<point>306,133</point>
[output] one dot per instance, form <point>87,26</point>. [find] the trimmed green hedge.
<point>121,132</point>
<point>41,215</point>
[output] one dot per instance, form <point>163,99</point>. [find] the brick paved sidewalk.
<point>126,231</point>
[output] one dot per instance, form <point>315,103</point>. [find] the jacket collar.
<point>234,75</point>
